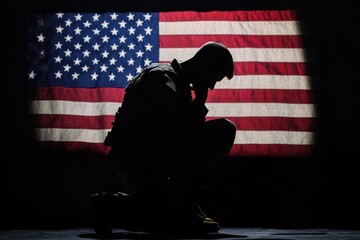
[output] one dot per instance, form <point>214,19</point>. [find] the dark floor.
<point>225,233</point>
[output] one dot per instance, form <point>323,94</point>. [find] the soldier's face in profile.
<point>213,78</point>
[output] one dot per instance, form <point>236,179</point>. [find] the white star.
<point>87,38</point>
<point>77,46</point>
<point>114,31</point>
<point>44,68</point>
<point>148,31</point>
<point>139,23</point>
<point>139,53</point>
<point>68,38</point>
<point>131,61</point>
<point>67,53</point>
<point>148,47</point>
<point>122,24</point>
<point>59,29</point>
<point>85,68</point>
<point>140,38</point>
<point>131,46</point>
<point>113,16</point>
<point>75,75</point>
<point>86,53</point>
<point>96,17</point>
<point>32,75</point>
<point>112,77</point>
<point>58,74</point>
<point>94,76</point>
<point>105,54</point>
<point>129,77</point>
<point>120,69</point>
<point>147,62</point>
<point>96,31</point>
<point>105,39</point>
<point>41,22</point>
<point>95,61</point>
<point>60,15</point>
<point>147,16</point>
<point>122,53</point>
<point>77,31</point>
<point>78,17</point>
<point>130,16</point>
<point>41,38</point>
<point>96,46</point>
<point>131,30</point>
<point>58,45</point>
<point>87,24</point>
<point>138,69</point>
<point>105,24</point>
<point>67,68</point>
<point>103,68</point>
<point>77,61</point>
<point>68,23</point>
<point>114,47</point>
<point>58,59</point>
<point>122,39</point>
<point>112,61</point>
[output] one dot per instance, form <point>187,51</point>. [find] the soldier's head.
<point>211,63</point>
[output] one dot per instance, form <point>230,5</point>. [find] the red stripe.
<point>94,148</point>
<point>265,68</point>
<point>241,123</point>
<point>231,41</point>
<point>80,94</point>
<point>217,95</point>
<point>261,95</point>
<point>268,68</point>
<point>71,121</point>
<point>285,15</point>
<point>272,123</point>
<point>271,150</point>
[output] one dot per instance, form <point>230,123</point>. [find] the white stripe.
<point>73,108</point>
<point>241,54</point>
<point>242,137</point>
<point>70,135</point>
<point>274,137</point>
<point>215,109</point>
<point>266,82</point>
<point>231,27</point>
<point>260,110</point>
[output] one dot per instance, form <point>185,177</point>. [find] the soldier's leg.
<point>212,145</point>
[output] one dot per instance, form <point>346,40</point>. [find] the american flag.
<point>80,63</point>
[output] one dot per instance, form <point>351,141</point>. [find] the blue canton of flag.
<point>91,50</point>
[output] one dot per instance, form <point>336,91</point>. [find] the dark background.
<point>52,189</point>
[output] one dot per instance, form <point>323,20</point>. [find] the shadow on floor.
<point>141,235</point>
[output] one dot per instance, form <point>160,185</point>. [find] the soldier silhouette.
<point>163,149</point>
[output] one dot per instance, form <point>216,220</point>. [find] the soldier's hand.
<point>201,93</point>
